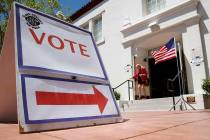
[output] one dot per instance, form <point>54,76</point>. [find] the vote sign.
<point>47,44</point>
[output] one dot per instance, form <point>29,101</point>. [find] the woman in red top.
<point>141,77</point>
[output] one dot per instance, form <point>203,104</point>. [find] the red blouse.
<point>143,73</point>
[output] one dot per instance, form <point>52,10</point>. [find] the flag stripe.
<point>162,60</point>
<point>172,55</point>
<point>165,52</point>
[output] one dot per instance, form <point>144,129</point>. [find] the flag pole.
<point>181,85</point>
<point>178,75</point>
<point>178,67</point>
<point>181,69</point>
<point>181,76</point>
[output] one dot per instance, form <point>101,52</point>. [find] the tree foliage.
<point>46,6</point>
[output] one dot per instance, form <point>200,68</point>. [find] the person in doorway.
<point>140,76</point>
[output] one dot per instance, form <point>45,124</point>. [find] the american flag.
<point>166,52</point>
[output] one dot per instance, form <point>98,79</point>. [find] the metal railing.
<point>129,85</point>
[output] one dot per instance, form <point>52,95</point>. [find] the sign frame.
<point>25,108</point>
<point>21,66</point>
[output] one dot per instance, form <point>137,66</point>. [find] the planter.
<point>206,100</point>
<point>206,97</point>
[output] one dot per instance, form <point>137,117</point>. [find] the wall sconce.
<point>196,57</point>
<point>128,67</point>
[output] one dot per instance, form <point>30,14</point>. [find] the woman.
<point>141,77</point>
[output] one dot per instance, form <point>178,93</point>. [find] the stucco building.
<point>126,31</point>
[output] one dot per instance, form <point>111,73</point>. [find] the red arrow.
<point>58,98</point>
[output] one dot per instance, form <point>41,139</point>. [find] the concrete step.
<point>158,104</point>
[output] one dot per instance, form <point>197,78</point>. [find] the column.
<point>195,74</point>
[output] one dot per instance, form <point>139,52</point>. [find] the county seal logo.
<point>32,20</point>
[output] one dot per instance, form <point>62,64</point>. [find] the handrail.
<point>172,80</point>
<point>172,90</point>
<point>127,85</point>
<point>122,84</point>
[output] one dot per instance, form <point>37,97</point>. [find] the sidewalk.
<point>189,125</point>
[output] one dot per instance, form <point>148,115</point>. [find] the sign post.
<point>57,76</point>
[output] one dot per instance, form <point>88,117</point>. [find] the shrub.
<point>117,95</point>
<point>206,85</point>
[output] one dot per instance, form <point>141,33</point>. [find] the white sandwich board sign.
<point>52,75</point>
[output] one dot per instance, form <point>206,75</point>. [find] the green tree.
<point>206,85</point>
<point>46,6</point>
<point>4,13</point>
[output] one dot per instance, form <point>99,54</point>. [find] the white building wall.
<point>172,2</point>
<point>117,13</point>
<point>114,56</point>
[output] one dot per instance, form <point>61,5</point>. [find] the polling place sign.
<point>47,44</point>
<point>41,55</point>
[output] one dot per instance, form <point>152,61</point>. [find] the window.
<point>154,5</point>
<point>97,28</point>
<point>94,25</point>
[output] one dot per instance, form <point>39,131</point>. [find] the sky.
<point>70,6</point>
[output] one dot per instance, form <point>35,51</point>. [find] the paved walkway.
<point>193,125</point>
